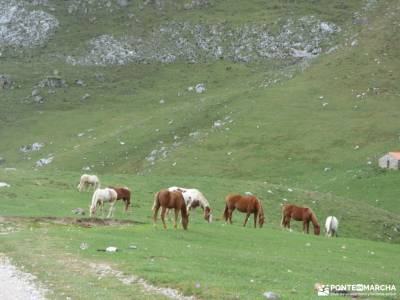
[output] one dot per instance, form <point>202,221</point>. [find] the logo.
<point>355,289</point>
<point>323,290</point>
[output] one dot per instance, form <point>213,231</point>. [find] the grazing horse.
<point>298,213</point>
<point>88,180</point>
<point>169,200</point>
<point>103,195</point>
<point>124,194</point>
<point>194,198</point>
<point>246,204</point>
<point>331,226</point>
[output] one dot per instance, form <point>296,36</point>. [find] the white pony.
<point>88,180</point>
<point>194,198</point>
<point>331,226</point>
<point>103,195</point>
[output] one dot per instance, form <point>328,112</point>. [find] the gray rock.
<point>44,161</point>
<point>35,92</point>
<point>78,211</point>
<point>29,148</point>
<point>5,81</point>
<point>200,88</point>
<point>123,3</point>
<point>38,99</point>
<point>271,295</point>
<point>85,97</point>
<point>80,82</point>
<point>2,160</point>
<point>84,246</point>
<point>53,82</point>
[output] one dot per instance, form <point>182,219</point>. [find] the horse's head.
<point>261,220</point>
<point>92,210</point>
<point>317,229</point>
<point>208,214</point>
<point>185,221</point>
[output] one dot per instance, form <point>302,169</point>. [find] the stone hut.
<point>390,160</point>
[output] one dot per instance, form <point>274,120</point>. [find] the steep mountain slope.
<point>301,94</point>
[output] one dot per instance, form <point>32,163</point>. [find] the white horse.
<point>88,180</point>
<point>103,195</point>
<point>331,226</point>
<point>193,199</point>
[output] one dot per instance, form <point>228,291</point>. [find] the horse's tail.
<point>260,209</point>
<point>283,216</point>
<point>331,225</point>
<point>261,217</point>
<point>156,201</point>
<point>226,214</point>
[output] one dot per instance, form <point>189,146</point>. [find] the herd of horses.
<point>183,200</point>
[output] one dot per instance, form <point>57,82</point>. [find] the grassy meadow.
<point>312,137</point>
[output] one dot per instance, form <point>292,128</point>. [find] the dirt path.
<point>17,285</point>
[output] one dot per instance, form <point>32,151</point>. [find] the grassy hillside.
<point>284,127</point>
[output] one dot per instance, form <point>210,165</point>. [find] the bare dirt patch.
<point>84,222</point>
<point>16,284</point>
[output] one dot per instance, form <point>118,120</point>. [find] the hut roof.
<point>395,154</point>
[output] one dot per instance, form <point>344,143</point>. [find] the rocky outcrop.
<point>22,28</point>
<point>302,38</point>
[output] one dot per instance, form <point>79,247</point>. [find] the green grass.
<point>281,137</point>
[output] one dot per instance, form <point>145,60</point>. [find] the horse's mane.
<point>314,219</point>
<point>203,201</point>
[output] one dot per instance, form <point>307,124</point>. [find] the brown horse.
<point>124,194</point>
<point>245,204</point>
<point>169,200</point>
<point>298,213</point>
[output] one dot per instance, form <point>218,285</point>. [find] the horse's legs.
<point>111,210</point>
<point>163,211</point>
<point>306,226</point>
<point>245,220</point>
<point>255,219</point>
<point>176,217</point>
<point>101,207</point>
<point>230,212</point>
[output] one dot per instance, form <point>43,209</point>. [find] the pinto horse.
<point>124,194</point>
<point>99,197</point>
<point>170,200</point>
<point>298,213</point>
<point>88,180</point>
<point>194,198</point>
<point>245,204</point>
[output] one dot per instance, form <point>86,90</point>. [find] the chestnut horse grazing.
<point>245,204</point>
<point>88,180</point>
<point>170,200</point>
<point>298,213</point>
<point>99,197</point>
<point>124,194</point>
<point>194,198</point>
